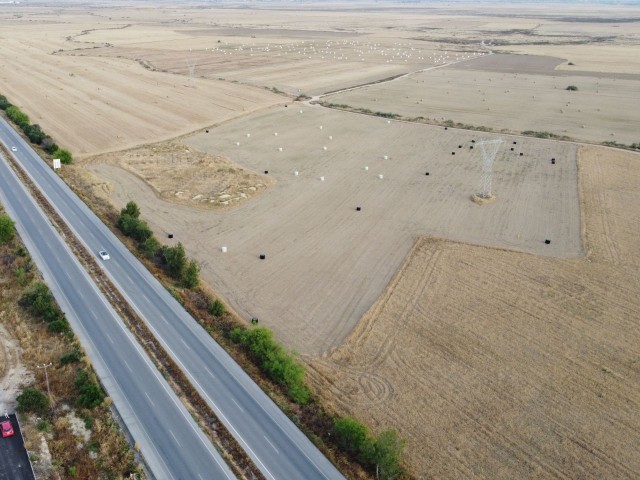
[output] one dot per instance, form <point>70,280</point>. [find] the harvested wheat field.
<point>327,263</point>
<point>92,104</point>
<point>515,93</point>
<point>499,364</point>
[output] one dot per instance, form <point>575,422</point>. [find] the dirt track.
<point>498,364</point>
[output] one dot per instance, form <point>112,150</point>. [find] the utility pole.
<point>46,376</point>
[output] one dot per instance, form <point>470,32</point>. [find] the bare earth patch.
<point>13,373</point>
<point>184,175</point>
<point>499,364</point>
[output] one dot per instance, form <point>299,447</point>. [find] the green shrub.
<point>150,247</point>
<point>216,308</point>
<point>190,276</point>
<point>58,326</point>
<point>21,276</point>
<point>39,301</point>
<point>572,88</point>
<point>72,357</point>
<point>7,229</point>
<point>89,393</point>
<point>17,116</point>
<point>48,144</point>
<point>175,259</point>
<point>351,436</point>
<point>35,134</point>
<point>141,231</point>
<point>4,103</point>
<point>33,400</point>
<point>386,453</point>
<point>64,156</point>
<point>131,209</point>
<point>279,365</point>
<point>43,426</point>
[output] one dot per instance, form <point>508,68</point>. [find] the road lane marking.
<point>185,343</point>
<point>265,437</point>
<point>210,372</point>
<point>234,401</point>
<point>150,401</point>
<point>125,362</point>
<point>174,437</point>
<point>110,339</point>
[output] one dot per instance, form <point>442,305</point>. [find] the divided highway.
<point>276,446</point>
<point>170,440</point>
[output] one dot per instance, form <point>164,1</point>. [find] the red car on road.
<point>7,429</point>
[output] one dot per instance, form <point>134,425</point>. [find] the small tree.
<point>190,277</point>
<point>176,260</point>
<point>33,400</point>
<point>141,231</point>
<point>572,88</point>
<point>150,247</point>
<point>131,209</point>
<point>387,449</point>
<point>64,156</point>
<point>7,229</point>
<point>350,435</point>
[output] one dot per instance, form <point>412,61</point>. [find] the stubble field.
<point>327,262</point>
<point>516,93</point>
<point>498,364</point>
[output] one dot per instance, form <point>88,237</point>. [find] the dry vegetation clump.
<point>68,440</point>
<point>183,175</point>
<point>500,364</point>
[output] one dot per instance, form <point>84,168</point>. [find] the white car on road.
<point>104,255</point>
<point>14,149</point>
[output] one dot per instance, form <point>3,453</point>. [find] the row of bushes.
<point>34,132</point>
<point>380,454</point>
<point>274,360</point>
<point>613,143</point>
<point>40,303</point>
<point>366,111</point>
<point>173,259</point>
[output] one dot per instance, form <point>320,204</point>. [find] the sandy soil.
<point>474,93</point>
<point>182,175</point>
<point>326,262</point>
<point>498,364</point>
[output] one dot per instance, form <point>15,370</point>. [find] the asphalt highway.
<point>172,444</point>
<point>277,447</point>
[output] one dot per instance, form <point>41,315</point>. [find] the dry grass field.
<point>498,364</point>
<point>326,262</point>
<point>514,93</point>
